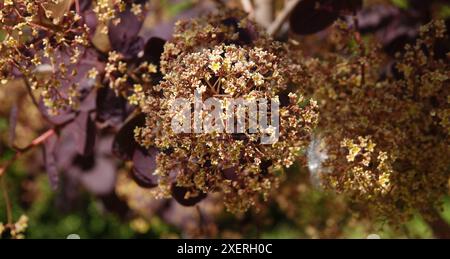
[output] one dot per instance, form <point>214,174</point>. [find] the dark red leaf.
<point>246,34</point>
<point>129,2</point>
<point>230,173</point>
<point>124,143</point>
<point>153,50</point>
<point>63,116</point>
<point>144,165</point>
<point>95,172</point>
<point>311,16</point>
<point>114,204</point>
<point>394,27</point>
<point>85,4</point>
<point>178,193</point>
<point>89,102</point>
<point>124,36</point>
<point>111,109</point>
<point>442,46</point>
<point>376,17</point>
<point>347,7</point>
<point>100,178</point>
<point>265,165</point>
<point>84,132</point>
<point>85,86</point>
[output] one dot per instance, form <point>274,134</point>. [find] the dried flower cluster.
<point>225,56</point>
<point>384,141</point>
<point>108,12</point>
<point>121,74</point>
<point>16,230</point>
<point>43,41</point>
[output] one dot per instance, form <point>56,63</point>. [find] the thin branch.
<point>281,18</point>
<point>33,99</point>
<point>30,92</point>
<point>77,6</point>
<point>36,142</point>
<point>12,124</point>
<point>362,48</point>
<point>263,13</point>
<point>248,7</point>
<point>20,151</point>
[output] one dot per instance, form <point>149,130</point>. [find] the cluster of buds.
<point>226,57</point>
<point>43,42</point>
<point>384,141</point>
<point>121,74</point>
<point>15,230</point>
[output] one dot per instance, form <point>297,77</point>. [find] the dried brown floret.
<point>385,142</point>
<point>225,56</point>
<point>44,49</point>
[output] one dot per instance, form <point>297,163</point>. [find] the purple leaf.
<point>111,109</point>
<point>144,165</point>
<point>347,7</point>
<point>63,116</point>
<point>230,173</point>
<point>84,132</point>
<point>153,50</point>
<point>124,143</point>
<point>178,193</point>
<point>90,19</point>
<point>376,17</point>
<point>100,178</point>
<point>311,16</point>
<point>394,27</point>
<point>89,102</point>
<point>84,4</point>
<point>249,34</point>
<point>66,150</point>
<point>246,35</point>
<point>124,36</point>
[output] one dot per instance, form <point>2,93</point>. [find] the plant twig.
<point>248,7</point>
<point>36,142</point>
<point>281,18</point>
<point>263,13</point>
<point>362,48</point>
<point>33,98</point>
<point>30,92</point>
<point>77,6</point>
<point>20,151</point>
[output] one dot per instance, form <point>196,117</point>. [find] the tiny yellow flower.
<point>152,68</point>
<point>138,88</point>
<point>136,9</point>
<point>258,79</point>
<point>93,73</point>
<point>215,67</point>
